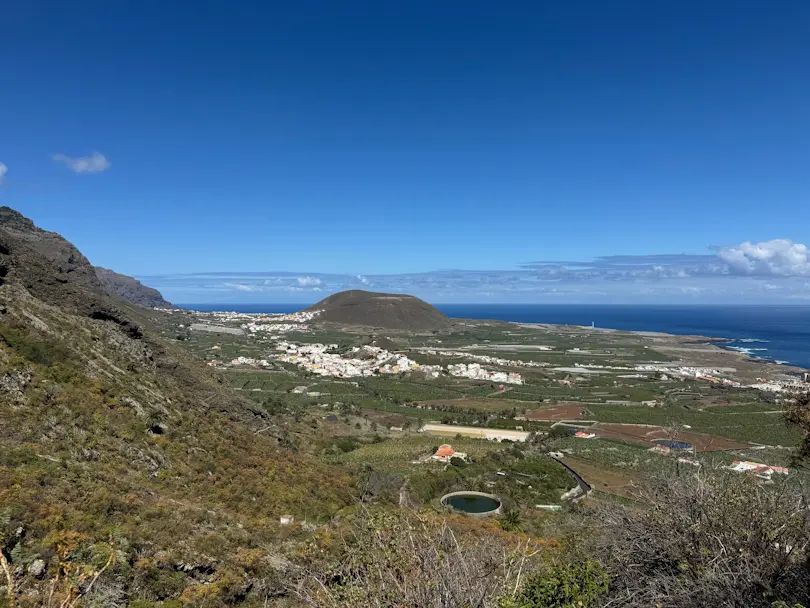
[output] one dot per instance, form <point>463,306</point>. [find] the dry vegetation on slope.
<point>114,444</point>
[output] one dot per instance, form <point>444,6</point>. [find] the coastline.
<point>694,344</point>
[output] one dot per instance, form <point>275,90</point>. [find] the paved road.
<point>584,486</point>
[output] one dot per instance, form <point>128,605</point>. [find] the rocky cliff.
<point>130,289</point>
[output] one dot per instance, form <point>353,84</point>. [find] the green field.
<point>744,423</point>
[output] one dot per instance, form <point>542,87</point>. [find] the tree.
<point>458,462</point>
<point>511,520</point>
<point>558,432</point>
<point>798,413</point>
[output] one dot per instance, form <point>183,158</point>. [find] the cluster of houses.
<point>786,385</point>
<point>280,323</point>
<point>474,371</point>
<point>359,361</point>
<point>783,386</point>
<point>789,385</point>
<point>250,361</point>
<point>252,323</point>
<point>486,358</point>
<point>274,328</point>
<point>683,371</point>
<point>363,361</point>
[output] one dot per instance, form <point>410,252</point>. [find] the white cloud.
<point>241,287</point>
<point>3,171</point>
<point>778,257</point>
<point>95,163</point>
<point>308,281</point>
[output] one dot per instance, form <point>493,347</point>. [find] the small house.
<point>446,452</point>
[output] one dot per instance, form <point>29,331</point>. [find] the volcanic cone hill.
<point>385,310</point>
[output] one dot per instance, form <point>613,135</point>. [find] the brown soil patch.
<point>564,411</point>
<point>643,434</point>
<point>385,418</point>
<point>603,478</point>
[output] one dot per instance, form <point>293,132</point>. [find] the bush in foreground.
<point>709,539</point>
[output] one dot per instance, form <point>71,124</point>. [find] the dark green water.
<point>473,504</point>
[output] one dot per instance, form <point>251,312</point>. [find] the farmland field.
<point>649,435</point>
<point>603,478</point>
<point>750,423</point>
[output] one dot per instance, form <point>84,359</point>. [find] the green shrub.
<point>576,585</point>
<point>559,432</point>
<point>347,444</point>
<point>33,348</point>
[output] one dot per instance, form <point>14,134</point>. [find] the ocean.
<point>776,333</point>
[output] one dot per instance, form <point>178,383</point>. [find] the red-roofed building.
<point>445,453</point>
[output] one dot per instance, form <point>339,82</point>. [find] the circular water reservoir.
<point>473,503</point>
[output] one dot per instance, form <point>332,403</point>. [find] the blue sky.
<point>172,140</point>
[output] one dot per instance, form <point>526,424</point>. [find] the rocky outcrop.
<point>130,289</point>
<point>53,271</point>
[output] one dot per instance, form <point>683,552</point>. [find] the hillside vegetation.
<point>119,453</point>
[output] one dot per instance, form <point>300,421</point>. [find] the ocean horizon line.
<point>595,304</point>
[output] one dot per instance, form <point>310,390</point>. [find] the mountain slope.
<point>116,448</point>
<point>130,289</point>
<point>386,310</point>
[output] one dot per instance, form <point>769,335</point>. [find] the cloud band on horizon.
<point>775,270</point>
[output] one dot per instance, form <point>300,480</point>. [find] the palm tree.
<point>511,521</point>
